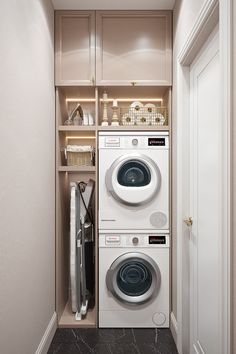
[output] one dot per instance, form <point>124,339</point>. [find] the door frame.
<point>213,12</point>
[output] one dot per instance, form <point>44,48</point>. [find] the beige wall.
<point>27,183</point>
<point>185,14</point>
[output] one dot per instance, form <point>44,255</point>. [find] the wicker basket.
<point>79,155</point>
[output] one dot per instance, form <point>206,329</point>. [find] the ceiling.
<point>113,4</point>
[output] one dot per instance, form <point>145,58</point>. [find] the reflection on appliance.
<point>134,280</point>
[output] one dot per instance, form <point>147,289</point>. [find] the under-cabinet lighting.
<point>134,99</point>
<point>80,137</point>
<point>80,99</point>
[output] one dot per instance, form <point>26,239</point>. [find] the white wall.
<point>27,181</point>
<point>185,14</point>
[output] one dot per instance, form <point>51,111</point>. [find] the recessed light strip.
<point>118,99</point>
<point>134,99</point>
<point>80,137</point>
<point>80,100</point>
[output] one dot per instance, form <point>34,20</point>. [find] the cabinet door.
<point>75,48</point>
<point>133,47</point>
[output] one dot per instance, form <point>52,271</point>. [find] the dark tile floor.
<point>113,341</point>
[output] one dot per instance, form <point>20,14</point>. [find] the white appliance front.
<point>134,181</point>
<point>133,280</point>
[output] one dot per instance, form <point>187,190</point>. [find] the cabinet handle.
<point>133,83</point>
<point>93,81</point>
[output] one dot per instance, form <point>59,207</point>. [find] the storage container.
<point>79,155</point>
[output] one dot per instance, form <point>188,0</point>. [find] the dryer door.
<point>133,179</point>
<point>133,278</point>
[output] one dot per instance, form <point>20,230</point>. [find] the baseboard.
<point>48,336</point>
<point>173,327</point>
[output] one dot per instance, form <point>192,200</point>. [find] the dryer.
<point>133,280</point>
<point>134,181</point>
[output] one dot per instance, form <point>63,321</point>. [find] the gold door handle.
<point>189,221</point>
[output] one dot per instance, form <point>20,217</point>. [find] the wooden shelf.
<point>76,128</point>
<point>67,319</point>
<point>64,128</point>
<point>76,169</point>
<point>135,127</point>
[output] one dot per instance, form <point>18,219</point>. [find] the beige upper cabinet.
<point>133,48</point>
<point>75,48</point>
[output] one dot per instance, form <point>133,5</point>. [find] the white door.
<point>205,201</point>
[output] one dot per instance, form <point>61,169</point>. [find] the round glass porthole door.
<point>133,278</point>
<point>134,173</point>
<point>133,179</point>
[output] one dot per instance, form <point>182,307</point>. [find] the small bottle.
<point>90,119</point>
<point>77,119</point>
<point>85,118</point>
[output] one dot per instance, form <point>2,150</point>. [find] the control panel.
<point>137,140</point>
<point>133,240</point>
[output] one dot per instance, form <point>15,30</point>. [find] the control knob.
<point>135,240</point>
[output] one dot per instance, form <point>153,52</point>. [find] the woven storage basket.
<point>79,155</point>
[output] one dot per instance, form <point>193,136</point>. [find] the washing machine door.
<point>133,278</point>
<point>133,179</point>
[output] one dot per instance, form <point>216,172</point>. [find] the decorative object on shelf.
<point>69,122</point>
<point>142,119</point>
<point>105,104</point>
<point>158,119</point>
<point>86,119</point>
<point>146,114</point>
<point>73,113</point>
<point>90,119</point>
<point>137,114</point>
<point>127,119</point>
<point>78,120</point>
<point>79,155</point>
<point>115,118</point>
<point>135,106</point>
<point>150,108</point>
<point>136,111</point>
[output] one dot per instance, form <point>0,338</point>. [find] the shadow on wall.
<point>46,14</point>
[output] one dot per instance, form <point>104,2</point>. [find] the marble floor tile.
<point>113,341</point>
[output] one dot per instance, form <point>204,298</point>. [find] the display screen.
<point>157,240</point>
<point>156,141</point>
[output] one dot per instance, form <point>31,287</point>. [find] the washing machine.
<point>133,280</point>
<point>133,181</point>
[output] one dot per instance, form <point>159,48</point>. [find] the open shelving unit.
<point>66,99</point>
<point>91,100</point>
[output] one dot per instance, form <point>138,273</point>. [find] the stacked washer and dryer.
<point>133,229</point>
